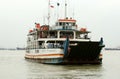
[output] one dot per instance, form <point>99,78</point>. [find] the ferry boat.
<point>63,43</point>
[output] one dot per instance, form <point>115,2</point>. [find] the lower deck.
<point>83,52</point>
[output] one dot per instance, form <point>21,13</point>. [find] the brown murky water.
<point>14,66</point>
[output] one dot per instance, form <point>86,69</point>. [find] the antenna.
<point>73,14</point>
<point>73,11</point>
<point>43,19</point>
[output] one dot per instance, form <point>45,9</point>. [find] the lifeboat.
<point>83,29</point>
<point>44,28</point>
<point>30,31</point>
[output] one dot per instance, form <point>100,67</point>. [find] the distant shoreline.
<point>112,48</point>
<point>12,48</point>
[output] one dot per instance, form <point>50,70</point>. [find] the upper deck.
<point>61,29</point>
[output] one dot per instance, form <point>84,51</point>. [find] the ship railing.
<point>82,37</point>
<point>54,45</point>
<point>63,28</point>
<point>50,46</point>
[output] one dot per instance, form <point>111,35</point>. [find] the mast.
<point>58,10</point>
<point>48,12</point>
<point>65,9</point>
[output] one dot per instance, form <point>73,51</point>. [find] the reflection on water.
<point>14,66</point>
<point>63,72</point>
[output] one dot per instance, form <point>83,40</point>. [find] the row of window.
<point>65,24</point>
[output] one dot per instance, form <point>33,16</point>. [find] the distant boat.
<point>63,43</point>
<point>19,48</point>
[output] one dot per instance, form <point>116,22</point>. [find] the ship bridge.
<point>66,24</point>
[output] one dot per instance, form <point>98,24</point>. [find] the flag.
<point>51,6</point>
<point>58,4</point>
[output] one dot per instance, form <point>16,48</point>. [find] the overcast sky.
<point>101,17</point>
